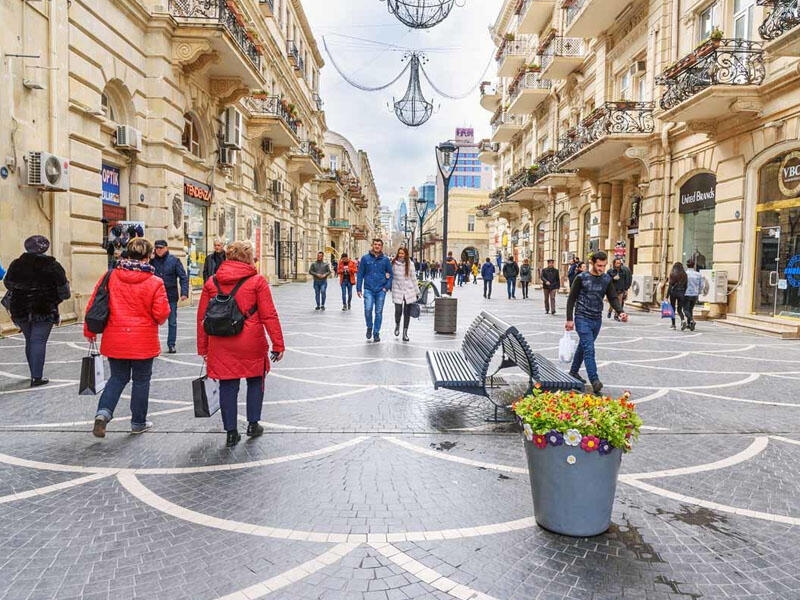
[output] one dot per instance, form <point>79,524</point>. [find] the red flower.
<point>540,441</point>
<point>590,443</point>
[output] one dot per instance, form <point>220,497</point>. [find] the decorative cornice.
<point>628,34</point>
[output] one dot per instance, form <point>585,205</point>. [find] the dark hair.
<point>678,275</point>
<point>690,263</point>
<point>406,259</point>
<point>377,240</point>
<point>343,255</point>
<point>599,255</point>
<point>488,259</point>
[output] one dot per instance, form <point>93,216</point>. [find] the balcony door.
<point>743,24</point>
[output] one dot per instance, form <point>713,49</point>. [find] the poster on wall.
<point>110,184</point>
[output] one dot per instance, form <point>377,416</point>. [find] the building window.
<point>191,135</point>
<point>743,18</point>
<point>625,84</point>
<point>708,20</point>
<point>471,223</point>
<point>334,161</point>
<point>108,107</point>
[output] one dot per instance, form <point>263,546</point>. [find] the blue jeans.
<point>374,301</point>
<point>172,323</point>
<point>511,285</point>
<point>487,288</point>
<point>320,291</point>
<point>122,370</point>
<point>228,400</point>
<point>588,330</point>
<point>347,292</point>
<point>36,334</point>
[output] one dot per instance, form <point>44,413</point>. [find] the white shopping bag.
<point>93,378</point>
<point>566,347</point>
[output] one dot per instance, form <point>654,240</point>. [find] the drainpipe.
<point>666,148</point>
<point>52,97</point>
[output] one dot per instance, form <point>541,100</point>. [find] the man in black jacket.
<point>622,278</point>
<point>551,281</point>
<point>171,271</point>
<point>214,260</point>
<point>510,272</point>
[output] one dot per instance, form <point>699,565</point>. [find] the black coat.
<point>171,270</point>
<point>213,261</point>
<point>552,276</point>
<point>510,269</point>
<point>38,284</point>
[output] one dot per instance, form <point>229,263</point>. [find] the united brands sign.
<point>698,193</point>
<point>789,175</point>
<point>194,191</point>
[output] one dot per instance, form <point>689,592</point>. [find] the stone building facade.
<point>657,130</point>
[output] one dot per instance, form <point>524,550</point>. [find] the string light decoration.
<point>413,109</point>
<point>420,14</point>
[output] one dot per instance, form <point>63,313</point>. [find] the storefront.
<point>777,272</point>
<point>515,245</point>
<point>697,211</point>
<point>196,200</point>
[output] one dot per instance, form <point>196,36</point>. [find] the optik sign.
<point>110,188</point>
<point>698,193</point>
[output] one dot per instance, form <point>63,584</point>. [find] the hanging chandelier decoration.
<point>420,14</point>
<point>413,109</point>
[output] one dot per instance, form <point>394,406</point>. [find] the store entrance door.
<point>777,285</point>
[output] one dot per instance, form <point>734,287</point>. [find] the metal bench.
<point>467,369</point>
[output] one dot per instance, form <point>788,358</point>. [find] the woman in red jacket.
<point>137,306</point>
<point>244,355</point>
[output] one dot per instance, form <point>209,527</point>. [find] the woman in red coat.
<point>244,355</point>
<point>137,306</point>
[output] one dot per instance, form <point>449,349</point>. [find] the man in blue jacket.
<point>487,274</point>
<point>374,279</point>
<point>171,271</point>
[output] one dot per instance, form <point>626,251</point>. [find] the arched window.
<point>191,135</point>
<point>107,105</point>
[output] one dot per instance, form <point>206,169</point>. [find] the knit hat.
<point>37,244</point>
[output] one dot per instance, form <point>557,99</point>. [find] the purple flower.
<point>604,447</point>
<point>555,438</point>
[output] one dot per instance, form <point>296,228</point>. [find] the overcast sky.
<point>458,51</point>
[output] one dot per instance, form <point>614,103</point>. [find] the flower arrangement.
<point>716,34</point>
<point>594,423</point>
<point>509,37</point>
<point>534,67</point>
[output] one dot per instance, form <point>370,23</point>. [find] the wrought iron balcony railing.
<point>520,47</point>
<point>311,149</point>
<point>715,62</point>
<point>785,15</point>
<point>562,46</point>
<point>294,56</point>
<point>503,118</point>
<point>529,81</point>
<point>610,118</point>
<point>339,223</point>
<point>273,106</point>
<point>204,11</point>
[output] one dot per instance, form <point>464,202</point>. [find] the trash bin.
<point>445,315</point>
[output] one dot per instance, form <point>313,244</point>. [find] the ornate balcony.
<point>339,224</point>
<point>295,58</point>
<point>531,183</point>
<point>561,56</point>
<point>781,28</point>
<point>490,96</point>
<point>527,92</point>
<point>488,152</point>
<point>534,15</point>
<point>500,205</point>
<point>305,161</point>
<point>511,56</point>
<point>605,135</point>
<point>270,115</point>
<point>717,78</point>
<point>505,126</point>
<point>590,18</point>
<point>209,29</point>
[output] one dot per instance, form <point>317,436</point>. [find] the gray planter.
<point>572,499</point>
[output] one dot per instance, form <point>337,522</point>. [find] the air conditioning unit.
<point>266,146</point>
<point>638,68</point>
<point>232,134</point>
<point>128,138</point>
<point>715,286</point>
<point>641,288</point>
<point>48,171</point>
<point>276,186</point>
<point>227,157</point>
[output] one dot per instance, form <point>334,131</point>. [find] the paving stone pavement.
<point>369,485</point>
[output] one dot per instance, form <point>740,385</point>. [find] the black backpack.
<point>97,315</point>
<point>223,317</point>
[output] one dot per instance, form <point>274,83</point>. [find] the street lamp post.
<point>422,210</point>
<point>446,160</point>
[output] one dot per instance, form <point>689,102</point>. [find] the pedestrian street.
<point>368,484</point>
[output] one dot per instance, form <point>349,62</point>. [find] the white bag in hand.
<point>566,347</point>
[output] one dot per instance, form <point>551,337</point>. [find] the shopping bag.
<point>667,311</point>
<point>413,310</point>
<point>93,378</point>
<point>205,393</point>
<point>566,347</point>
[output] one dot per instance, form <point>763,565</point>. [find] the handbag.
<point>97,315</point>
<point>667,312</point>
<point>413,310</point>
<point>93,379</point>
<point>205,394</point>
<point>566,347</point>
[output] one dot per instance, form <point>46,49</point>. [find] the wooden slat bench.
<point>467,369</point>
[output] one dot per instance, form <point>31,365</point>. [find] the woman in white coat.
<point>405,290</point>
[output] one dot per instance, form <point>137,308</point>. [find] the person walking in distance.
<point>373,281</point>
<point>487,274</point>
<point>450,268</point>
<point>525,277</point>
<point>677,291</point>
<point>551,282</point>
<point>475,271</point>
<point>585,314</point>
<point>347,279</point>
<point>138,304</point>
<point>622,278</point>
<point>320,271</point>
<point>244,355</point>
<point>405,290</point>
<point>694,283</point>
<point>510,272</point>
<point>172,273</point>
<point>573,270</point>
<point>214,260</point>
<point>37,284</point>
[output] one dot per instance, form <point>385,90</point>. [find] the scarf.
<point>134,265</point>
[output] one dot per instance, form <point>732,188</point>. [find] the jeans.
<point>688,308</point>
<point>403,309</point>
<point>228,400</point>
<point>550,299</point>
<point>525,285</point>
<point>588,330</point>
<point>172,323</point>
<point>122,370</point>
<point>347,292</point>
<point>373,301</point>
<point>487,288</point>
<point>320,291</point>
<point>36,334</point>
<point>511,285</point>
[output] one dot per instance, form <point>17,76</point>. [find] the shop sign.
<point>110,184</point>
<point>792,271</point>
<point>699,193</point>
<point>194,191</point>
<point>789,175</point>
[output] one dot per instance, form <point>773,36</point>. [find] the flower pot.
<point>572,496</point>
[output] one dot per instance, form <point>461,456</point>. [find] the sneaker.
<point>691,326</point>
<point>577,376</point>
<point>684,325</point>
<point>322,308</point>
<point>99,429</point>
<point>147,426</point>
<point>597,385</point>
<point>317,308</point>
<point>376,338</point>
<point>233,438</point>
<point>36,382</point>
<point>254,429</point>
<point>172,350</point>
<point>369,333</point>
<point>348,306</point>
<point>344,306</point>
<point>552,313</point>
